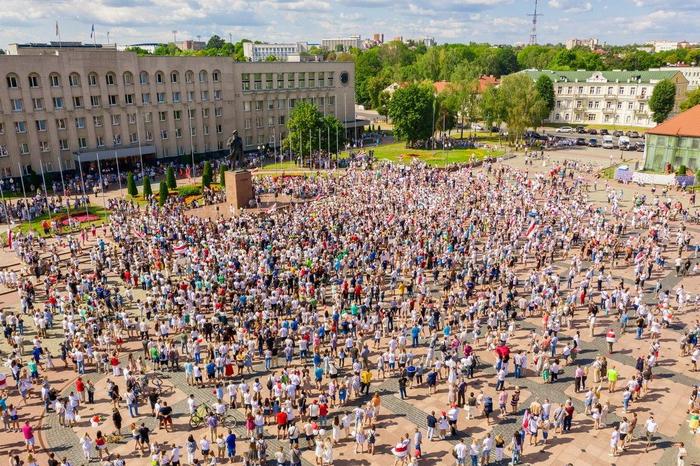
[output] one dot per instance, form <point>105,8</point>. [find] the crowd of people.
<point>291,318</point>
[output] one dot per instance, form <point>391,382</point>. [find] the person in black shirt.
<point>143,435</point>
<point>432,422</point>
<point>402,386</point>
<point>164,416</point>
<point>52,460</point>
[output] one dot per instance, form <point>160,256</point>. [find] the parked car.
<point>640,146</point>
<point>580,141</point>
<point>565,129</point>
<point>607,142</point>
<point>580,129</point>
<point>633,134</point>
<point>617,133</point>
<point>593,142</point>
<point>477,127</point>
<point>535,135</point>
<point>495,129</point>
<point>604,132</point>
<point>592,131</point>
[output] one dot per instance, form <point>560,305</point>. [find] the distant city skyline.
<point>493,21</point>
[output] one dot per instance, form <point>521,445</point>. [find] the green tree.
<point>691,100</point>
<point>411,110</point>
<point>131,185</point>
<point>383,107</point>
<point>147,191</point>
<point>170,176</point>
<point>302,127</point>
<point>163,193</point>
<point>169,49</point>
<point>662,100</point>
<point>215,42</point>
<point>524,108</point>
<point>271,58</point>
<point>367,64</point>
<point>206,174</point>
<point>493,110</point>
<point>463,97</point>
<point>222,174</point>
<point>545,89</point>
<point>138,50</point>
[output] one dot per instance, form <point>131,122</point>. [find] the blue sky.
<point>495,21</point>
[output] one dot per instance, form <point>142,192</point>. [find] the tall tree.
<point>662,100</point>
<point>691,100</point>
<point>170,177</point>
<point>215,42</point>
<point>523,104</point>
<point>163,193</point>
<point>307,125</point>
<point>411,110</point>
<point>131,185</point>
<point>493,110</point>
<point>545,89</point>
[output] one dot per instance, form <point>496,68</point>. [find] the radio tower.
<point>533,32</point>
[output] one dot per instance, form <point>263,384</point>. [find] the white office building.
<point>281,52</point>
<point>342,44</point>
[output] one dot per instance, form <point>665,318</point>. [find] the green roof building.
<point>607,97</point>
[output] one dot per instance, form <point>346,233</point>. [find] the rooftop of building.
<point>685,124</point>
<point>615,76</point>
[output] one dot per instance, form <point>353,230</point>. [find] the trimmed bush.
<point>189,190</point>
<point>163,193</point>
<point>170,175</point>
<point>222,174</point>
<point>147,191</point>
<point>206,175</point>
<point>131,185</point>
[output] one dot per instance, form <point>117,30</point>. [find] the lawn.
<point>398,153</point>
<point>36,224</point>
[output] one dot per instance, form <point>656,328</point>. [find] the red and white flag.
<point>532,229</point>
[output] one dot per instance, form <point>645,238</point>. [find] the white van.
<point>623,142</point>
<point>607,142</point>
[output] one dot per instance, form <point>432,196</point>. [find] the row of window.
<point>98,120</point>
<point>17,105</point>
<point>592,117</point>
<point>281,104</point>
<point>292,80</point>
<point>34,80</point>
<point>597,90</point>
<point>593,104</point>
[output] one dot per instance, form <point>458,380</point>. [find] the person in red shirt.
<point>80,388</point>
<point>281,425</point>
<point>323,413</point>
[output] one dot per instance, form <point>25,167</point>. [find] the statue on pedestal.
<point>235,146</point>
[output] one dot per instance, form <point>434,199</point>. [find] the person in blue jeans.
<point>415,331</point>
<point>231,444</point>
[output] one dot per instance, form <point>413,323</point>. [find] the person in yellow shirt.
<point>612,379</point>
<point>365,380</point>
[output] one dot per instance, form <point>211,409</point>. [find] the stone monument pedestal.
<point>239,188</point>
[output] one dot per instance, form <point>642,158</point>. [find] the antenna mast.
<point>533,32</point>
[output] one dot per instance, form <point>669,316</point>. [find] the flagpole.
<point>58,34</point>
<point>46,194</point>
<point>63,185</point>
<point>301,150</point>
<point>82,181</point>
<point>119,176</point>
<point>138,136</point>
<point>2,195</point>
<point>24,192</point>
<point>102,185</point>
<point>274,142</point>
<point>189,118</point>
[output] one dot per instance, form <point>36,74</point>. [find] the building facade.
<point>591,43</point>
<point>81,104</point>
<point>607,97</point>
<point>691,73</point>
<point>281,52</point>
<point>674,142</point>
<point>342,44</point>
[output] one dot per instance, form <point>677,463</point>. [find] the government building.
<point>74,102</point>
<point>607,97</point>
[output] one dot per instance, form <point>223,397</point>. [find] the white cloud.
<point>570,6</point>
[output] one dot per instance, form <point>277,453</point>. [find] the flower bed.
<point>77,217</point>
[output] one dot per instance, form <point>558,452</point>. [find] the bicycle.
<point>199,416</point>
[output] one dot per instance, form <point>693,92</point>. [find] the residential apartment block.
<point>607,97</point>
<point>82,103</point>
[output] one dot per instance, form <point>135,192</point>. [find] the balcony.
<point>642,97</point>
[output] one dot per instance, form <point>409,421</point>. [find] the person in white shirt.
<point>650,427</point>
<point>460,451</point>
